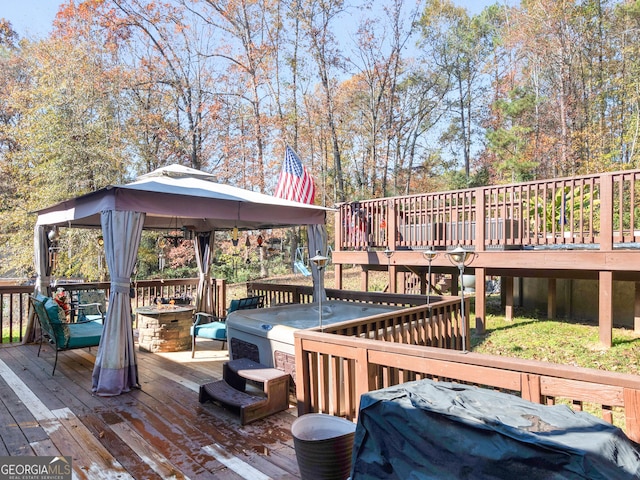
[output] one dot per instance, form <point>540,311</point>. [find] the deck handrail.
<point>276,294</point>
<point>599,210</point>
<point>14,299</point>
<point>334,368</point>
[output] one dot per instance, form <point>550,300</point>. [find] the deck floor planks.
<point>161,430</point>
<point>75,367</point>
<point>45,448</point>
<point>250,450</point>
<point>254,438</point>
<point>90,457</point>
<point>150,379</point>
<point>21,415</point>
<point>66,389</point>
<point>173,421</point>
<point>157,462</point>
<point>157,430</point>
<point>197,371</point>
<point>12,439</point>
<point>152,422</point>
<point>66,434</point>
<point>127,457</point>
<point>34,371</point>
<point>223,428</point>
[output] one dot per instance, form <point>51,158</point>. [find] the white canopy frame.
<point>168,198</point>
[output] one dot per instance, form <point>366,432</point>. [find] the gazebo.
<point>173,197</point>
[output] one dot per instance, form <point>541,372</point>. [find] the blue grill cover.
<point>441,430</point>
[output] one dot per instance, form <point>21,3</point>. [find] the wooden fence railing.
<point>14,310</point>
<point>283,294</point>
<point>601,210</point>
<point>14,299</point>
<point>334,368</point>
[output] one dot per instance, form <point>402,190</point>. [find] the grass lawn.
<point>558,341</point>
<point>5,336</point>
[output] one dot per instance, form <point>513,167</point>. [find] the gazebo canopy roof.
<point>175,196</point>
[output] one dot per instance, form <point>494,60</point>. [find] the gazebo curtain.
<point>116,368</point>
<point>42,264</point>
<point>317,243</point>
<point>203,245</point>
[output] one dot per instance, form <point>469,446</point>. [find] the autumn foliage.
<point>397,98</point>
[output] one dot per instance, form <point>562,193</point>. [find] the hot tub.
<point>265,335</point>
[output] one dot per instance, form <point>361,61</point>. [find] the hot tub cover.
<point>440,430</point>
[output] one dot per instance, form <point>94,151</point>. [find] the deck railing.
<point>336,367</point>
<point>14,299</point>
<point>14,310</point>
<point>601,210</point>
<point>276,294</point>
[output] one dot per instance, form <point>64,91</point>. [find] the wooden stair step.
<point>237,372</point>
<point>231,389</point>
<point>222,392</point>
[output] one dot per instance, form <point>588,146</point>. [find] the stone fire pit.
<point>164,328</point>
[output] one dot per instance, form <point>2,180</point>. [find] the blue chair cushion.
<point>82,317</point>
<point>233,306</point>
<point>55,311</point>
<point>213,330</point>
<point>84,334</point>
<point>246,303</point>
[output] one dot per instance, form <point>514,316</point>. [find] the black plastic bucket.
<point>323,445</point>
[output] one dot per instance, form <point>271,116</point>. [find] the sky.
<point>33,18</point>
<point>30,18</point>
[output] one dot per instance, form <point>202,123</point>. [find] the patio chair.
<point>62,335</point>
<point>211,327</point>
<point>92,305</point>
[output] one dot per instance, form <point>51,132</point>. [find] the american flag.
<point>295,183</point>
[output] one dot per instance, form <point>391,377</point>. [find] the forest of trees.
<point>379,97</point>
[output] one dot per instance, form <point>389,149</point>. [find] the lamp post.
<point>234,236</point>
<point>100,244</point>
<point>459,257</point>
<point>429,255</point>
<point>320,262</point>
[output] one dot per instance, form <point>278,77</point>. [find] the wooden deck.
<point>160,431</point>
<point>582,228</point>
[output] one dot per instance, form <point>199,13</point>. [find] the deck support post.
<point>552,295</point>
<point>481,300</point>
<point>364,279</point>
<point>507,284</point>
<point>337,274</point>
<point>636,309</point>
<point>455,283</point>
<point>605,307</point>
<point>393,279</point>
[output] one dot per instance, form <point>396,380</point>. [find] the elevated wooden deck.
<point>577,228</point>
<point>157,432</point>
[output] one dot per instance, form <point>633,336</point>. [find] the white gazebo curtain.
<point>41,248</point>
<point>42,264</point>
<point>116,368</point>
<point>203,244</point>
